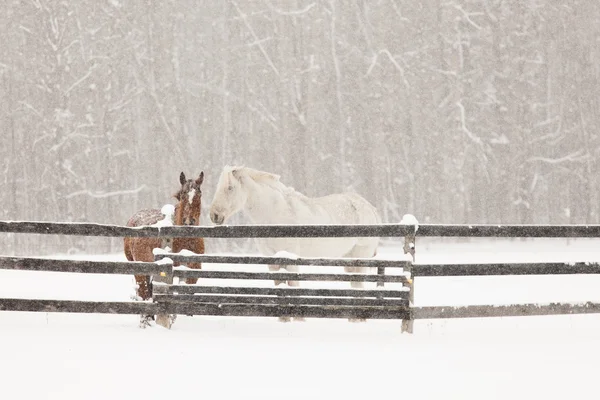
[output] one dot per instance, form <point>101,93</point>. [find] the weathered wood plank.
<point>507,231</point>
<point>74,306</point>
<point>481,269</point>
<point>258,231</point>
<point>222,231</point>
<point>263,231</point>
<point>82,266</point>
<point>237,299</point>
<point>285,276</point>
<point>260,260</point>
<point>75,228</point>
<point>305,311</point>
<point>510,310</point>
<point>191,289</point>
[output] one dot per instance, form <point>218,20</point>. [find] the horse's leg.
<point>356,285</point>
<point>355,270</point>
<point>141,250</point>
<point>358,252</point>
<point>143,287</point>
<point>275,268</point>
<point>143,281</point>
<point>143,294</point>
<point>193,281</point>
<point>198,249</point>
<point>294,269</point>
<point>194,245</point>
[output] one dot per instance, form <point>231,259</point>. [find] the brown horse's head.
<point>189,196</point>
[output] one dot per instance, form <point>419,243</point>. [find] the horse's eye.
<point>230,188</point>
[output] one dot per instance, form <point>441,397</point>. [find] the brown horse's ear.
<point>182,179</point>
<point>200,179</point>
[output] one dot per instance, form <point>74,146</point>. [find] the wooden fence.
<point>298,302</point>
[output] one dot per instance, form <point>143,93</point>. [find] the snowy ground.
<point>83,356</point>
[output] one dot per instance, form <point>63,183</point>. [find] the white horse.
<point>266,200</point>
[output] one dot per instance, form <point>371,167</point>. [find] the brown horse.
<point>187,212</point>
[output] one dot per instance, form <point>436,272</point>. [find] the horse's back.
<point>147,216</point>
<point>137,248</point>
<point>337,209</point>
<point>348,208</point>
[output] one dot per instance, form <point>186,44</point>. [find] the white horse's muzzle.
<point>216,218</point>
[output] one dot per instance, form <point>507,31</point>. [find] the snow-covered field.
<point>84,356</point>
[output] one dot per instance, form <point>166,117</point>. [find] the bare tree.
<point>452,110</point>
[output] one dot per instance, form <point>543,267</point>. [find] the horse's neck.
<point>269,202</point>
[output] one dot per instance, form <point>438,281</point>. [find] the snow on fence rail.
<point>329,303</point>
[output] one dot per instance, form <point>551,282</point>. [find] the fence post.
<point>381,273</point>
<point>407,324</point>
<point>410,248</point>
<point>409,244</point>
<point>165,277</point>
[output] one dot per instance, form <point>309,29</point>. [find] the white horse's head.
<point>230,196</point>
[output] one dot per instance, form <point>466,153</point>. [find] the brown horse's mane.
<point>177,195</point>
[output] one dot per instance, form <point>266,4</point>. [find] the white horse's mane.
<point>253,173</point>
<point>261,177</point>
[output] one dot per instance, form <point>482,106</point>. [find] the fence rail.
<point>289,310</point>
<point>510,310</point>
<point>324,231</point>
<point>83,266</point>
<point>222,231</point>
<point>75,306</point>
<point>258,260</point>
<point>315,301</point>
<point>508,231</point>
<point>298,302</point>
<point>266,291</point>
<point>287,276</point>
<point>538,268</point>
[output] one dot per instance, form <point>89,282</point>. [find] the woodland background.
<point>457,111</point>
